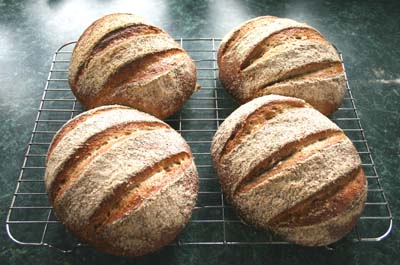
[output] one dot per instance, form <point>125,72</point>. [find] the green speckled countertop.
<point>367,33</point>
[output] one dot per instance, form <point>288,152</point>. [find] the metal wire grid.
<point>31,221</point>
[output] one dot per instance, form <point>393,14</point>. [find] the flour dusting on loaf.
<point>270,55</point>
<point>121,180</point>
<point>286,167</point>
<point>122,59</point>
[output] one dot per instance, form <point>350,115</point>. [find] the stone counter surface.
<point>367,33</point>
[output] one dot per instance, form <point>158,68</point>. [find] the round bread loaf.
<point>121,180</point>
<point>270,55</point>
<point>286,167</point>
<point>121,59</point>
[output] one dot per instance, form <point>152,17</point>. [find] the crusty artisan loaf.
<point>286,167</point>
<point>270,55</point>
<point>121,59</point>
<point>121,180</point>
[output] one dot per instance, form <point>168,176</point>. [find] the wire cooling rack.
<point>31,221</point>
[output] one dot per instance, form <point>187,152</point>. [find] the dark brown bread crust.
<point>291,158</point>
<point>124,200</point>
<point>309,189</point>
<point>109,39</point>
<point>252,123</point>
<point>272,56</point>
<point>326,204</point>
<point>144,70</point>
<point>239,33</point>
<point>101,241</point>
<point>263,169</point>
<point>164,81</point>
<point>142,203</point>
<point>279,38</point>
<point>72,125</point>
<point>95,145</point>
